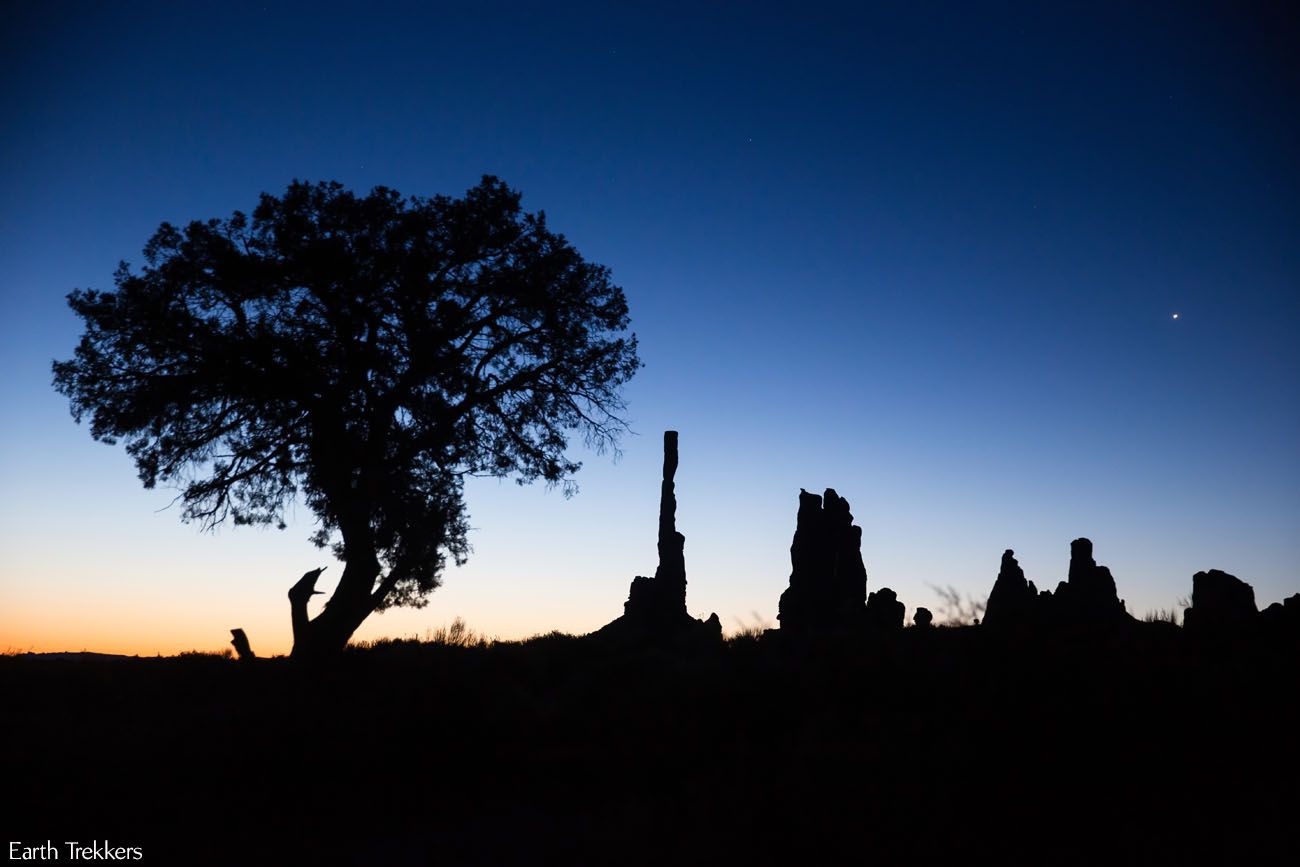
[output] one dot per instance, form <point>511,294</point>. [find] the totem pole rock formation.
<point>663,597</point>
<point>657,606</point>
<point>828,581</point>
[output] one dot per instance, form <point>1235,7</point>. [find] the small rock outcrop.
<point>1220,603</point>
<point>828,581</point>
<point>1014,600</point>
<point>1284,615</point>
<point>1088,595</point>
<point>657,606</point>
<point>884,612</point>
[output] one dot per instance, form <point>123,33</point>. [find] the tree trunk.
<point>325,635</point>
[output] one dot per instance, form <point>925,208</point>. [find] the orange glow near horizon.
<point>143,632</point>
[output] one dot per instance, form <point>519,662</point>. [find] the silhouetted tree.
<point>364,354</point>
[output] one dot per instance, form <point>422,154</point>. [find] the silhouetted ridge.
<point>828,581</point>
<point>657,606</point>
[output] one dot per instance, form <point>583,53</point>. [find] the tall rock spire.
<point>670,576</point>
<point>657,606</point>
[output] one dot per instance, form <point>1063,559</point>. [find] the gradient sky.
<point>923,253</point>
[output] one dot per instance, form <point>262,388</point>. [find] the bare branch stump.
<point>242,647</point>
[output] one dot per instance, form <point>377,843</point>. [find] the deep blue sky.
<point>927,254</point>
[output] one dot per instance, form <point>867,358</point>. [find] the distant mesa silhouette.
<point>828,581</point>
<point>656,607</point>
<point>1220,603</point>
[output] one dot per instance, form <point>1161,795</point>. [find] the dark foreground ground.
<point>1139,746</point>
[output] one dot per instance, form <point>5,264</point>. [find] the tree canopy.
<point>362,354</point>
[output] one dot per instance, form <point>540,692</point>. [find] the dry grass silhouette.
<point>957,610</point>
<point>749,632</point>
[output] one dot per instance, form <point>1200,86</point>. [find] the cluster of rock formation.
<point>828,586</point>
<point>1221,603</point>
<point>1087,597</point>
<point>828,581</point>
